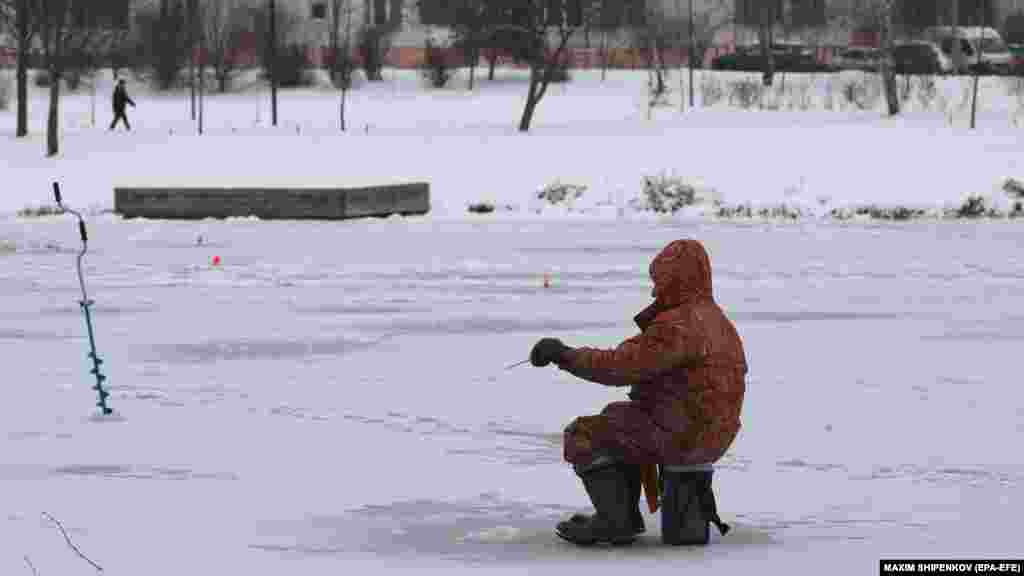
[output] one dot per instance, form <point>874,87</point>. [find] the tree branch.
<point>71,544</point>
<point>31,566</point>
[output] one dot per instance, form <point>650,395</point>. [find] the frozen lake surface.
<point>333,395</point>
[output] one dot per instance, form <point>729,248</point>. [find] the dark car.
<point>865,59</point>
<point>787,57</point>
<point>920,58</point>
<point>745,58</point>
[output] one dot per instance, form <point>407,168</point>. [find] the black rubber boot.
<point>635,488</point>
<point>609,491</point>
<point>688,509</point>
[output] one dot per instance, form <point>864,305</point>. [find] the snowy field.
<point>588,132</point>
<point>332,398</point>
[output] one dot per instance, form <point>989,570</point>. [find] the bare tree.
<point>701,29</point>
<point>878,15</point>
<point>652,39</point>
<point>64,28</point>
<point>275,24</point>
<point>194,18</point>
<point>473,27</point>
<point>342,66</point>
<point>543,22</point>
<point>19,16</point>
<point>223,28</point>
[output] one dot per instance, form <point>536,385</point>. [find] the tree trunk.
<point>490,70</point>
<point>892,99</point>
<point>273,63</point>
<point>22,75</point>
<point>531,105</point>
<point>541,71</point>
<point>193,25</point>
<point>767,22</point>
<point>474,57</point>
<point>604,54</point>
<point>341,112</point>
<point>53,118</point>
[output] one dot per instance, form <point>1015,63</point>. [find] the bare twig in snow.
<point>71,544</point>
<point>31,566</point>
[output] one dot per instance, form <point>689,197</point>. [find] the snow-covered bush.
<point>5,92</point>
<point>711,90</point>
<point>559,193</point>
<point>481,208</point>
<point>926,91</point>
<point>973,207</point>
<point>40,211</point>
<point>898,213</point>
<point>784,211</point>
<point>860,90</point>
<point>664,194</point>
<point>799,95</point>
<point>745,92</point>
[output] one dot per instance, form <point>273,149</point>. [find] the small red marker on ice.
<point>216,261</point>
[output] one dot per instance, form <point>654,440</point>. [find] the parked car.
<point>796,57</point>
<point>744,58</point>
<point>858,58</point>
<point>920,57</point>
<point>787,57</point>
<point>982,49</point>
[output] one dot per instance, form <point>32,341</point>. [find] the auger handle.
<point>81,223</point>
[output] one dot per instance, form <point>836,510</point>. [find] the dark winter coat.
<point>121,99</point>
<point>686,370</point>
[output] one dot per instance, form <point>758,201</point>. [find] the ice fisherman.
<point>120,100</point>
<point>686,371</point>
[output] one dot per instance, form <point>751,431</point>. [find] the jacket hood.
<point>682,275</point>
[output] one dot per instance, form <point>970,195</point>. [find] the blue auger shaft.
<point>96,361</point>
<point>85,303</point>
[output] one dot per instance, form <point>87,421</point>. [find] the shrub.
<point>481,208</point>
<point>927,91</point>
<point>435,65</point>
<point>40,211</point>
<point>711,91</point>
<point>745,93</point>
<point>5,92</point>
<point>860,91</point>
<point>897,213</point>
<point>973,207</point>
<point>665,194</point>
<point>798,95</point>
<point>561,193</point>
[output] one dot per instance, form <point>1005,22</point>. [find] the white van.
<point>980,47</point>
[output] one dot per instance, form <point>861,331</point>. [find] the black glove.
<point>546,351</point>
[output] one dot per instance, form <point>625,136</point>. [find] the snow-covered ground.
<point>335,394</point>
<point>587,132</point>
<point>333,397</point>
